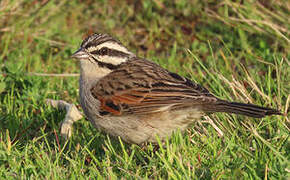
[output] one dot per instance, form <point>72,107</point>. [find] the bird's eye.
<point>103,51</point>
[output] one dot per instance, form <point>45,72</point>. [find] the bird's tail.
<point>241,108</point>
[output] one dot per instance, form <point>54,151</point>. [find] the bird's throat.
<point>90,73</point>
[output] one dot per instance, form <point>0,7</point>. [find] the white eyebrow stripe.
<point>92,48</point>
<point>110,45</point>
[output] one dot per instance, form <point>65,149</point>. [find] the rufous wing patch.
<point>109,106</point>
<point>116,103</point>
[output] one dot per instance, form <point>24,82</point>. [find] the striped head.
<point>103,51</point>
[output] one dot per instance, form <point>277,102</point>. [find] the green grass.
<point>238,50</point>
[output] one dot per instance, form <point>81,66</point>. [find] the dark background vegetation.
<point>238,49</point>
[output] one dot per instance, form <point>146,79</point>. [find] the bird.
<point>137,100</point>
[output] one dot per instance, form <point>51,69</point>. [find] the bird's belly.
<point>139,129</point>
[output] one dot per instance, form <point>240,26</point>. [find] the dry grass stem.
<point>53,75</point>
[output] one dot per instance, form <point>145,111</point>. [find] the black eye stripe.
<point>107,65</point>
<point>103,51</point>
<point>111,52</point>
<point>95,52</point>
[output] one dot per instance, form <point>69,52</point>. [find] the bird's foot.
<point>72,115</point>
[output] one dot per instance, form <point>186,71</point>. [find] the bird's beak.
<point>80,54</point>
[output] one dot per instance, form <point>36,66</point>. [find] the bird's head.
<point>102,51</point>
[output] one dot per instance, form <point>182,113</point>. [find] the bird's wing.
<point>140,86</point>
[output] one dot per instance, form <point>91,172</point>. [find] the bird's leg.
<point>72,115</point>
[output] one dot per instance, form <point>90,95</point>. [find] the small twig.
<point>53,75</point>
<point>6,29</point>
<point>52,42</point>
<point>48,74</point>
